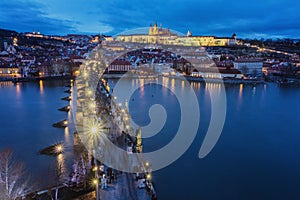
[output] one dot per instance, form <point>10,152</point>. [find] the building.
<point>160,35</point>
<point>119,66</point>
<point>249,66</point>
<point>155,30</point>
<point>217,73</point>
<point>8,71</point>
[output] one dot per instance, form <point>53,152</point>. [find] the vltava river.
<point>256,157</point>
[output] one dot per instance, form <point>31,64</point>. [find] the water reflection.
<point>41,87</point>
<point>67,135</point>
<point>240,94</point>
<point>213,87</point>
<point>173,84</point>
<point>18,90</point>
<point>61,168</point>
<point>195,85</point>
<point>253,91</point>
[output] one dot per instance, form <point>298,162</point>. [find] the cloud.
<point>27,16</point>
<point>202,17</point>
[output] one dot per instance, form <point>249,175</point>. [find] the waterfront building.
<point>8,71</point>
<point>217,73</point>
<point>249,66</point>
<point>160,35</point>
<point>119,66</point>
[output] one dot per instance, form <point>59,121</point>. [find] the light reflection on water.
<point>28,111</point>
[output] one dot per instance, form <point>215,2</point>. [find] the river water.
<point>28,111</point>
<point>256,156</point>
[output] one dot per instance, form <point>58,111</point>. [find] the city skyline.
<point>268,19</point>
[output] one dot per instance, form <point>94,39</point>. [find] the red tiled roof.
<point>76,57</point>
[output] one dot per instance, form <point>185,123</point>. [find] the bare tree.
<point>56,175</point>
<point>14,180</point>
<point>59,174</point>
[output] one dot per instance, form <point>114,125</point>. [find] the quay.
<point>189,78</point>
<point>43,78</point>
<point>224,81</point>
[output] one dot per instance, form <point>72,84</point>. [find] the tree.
<point>59,174</point>
<point>14,181</point>
<point>56,175</point>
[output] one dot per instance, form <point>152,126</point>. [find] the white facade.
<point>249,66</point>
<point>120,65</point>
<point>216,75</point>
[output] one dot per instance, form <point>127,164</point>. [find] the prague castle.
<point>160,35</point>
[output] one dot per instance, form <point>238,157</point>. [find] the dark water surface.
<point>256,157</point>
<point>28,111</point>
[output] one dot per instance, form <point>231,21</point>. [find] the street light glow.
<point>94,129</point>
<point>95,181</point>
<point>148,176</point>
<point>95,168</point>
<point>59,148</point>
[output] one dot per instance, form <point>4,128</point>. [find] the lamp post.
<point>95,129</point>
<point>96,180</point>
<point>96,183</point>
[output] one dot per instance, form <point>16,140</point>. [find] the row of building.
<point>48,58</point>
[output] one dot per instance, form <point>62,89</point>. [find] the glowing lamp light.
<point>95,181</point>
<point>94,129</point>
<point>95,168</point>
<point>65,122</point>
<point>147,164</point>
<point>89,92</point>
<point>148,176</point>
<point>85,74</point>
<point>59,148</point>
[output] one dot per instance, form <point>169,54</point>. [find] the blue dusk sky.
<point>248,19</point>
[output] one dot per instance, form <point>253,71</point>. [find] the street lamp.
<point>95,182</point>
<point>94,130</point>
<point>149,176</point>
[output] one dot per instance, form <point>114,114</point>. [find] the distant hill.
<point>7,33</point>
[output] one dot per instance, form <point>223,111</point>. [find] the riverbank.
<point>32,79</point>
<point>224,81</point>
<point>189,78</point>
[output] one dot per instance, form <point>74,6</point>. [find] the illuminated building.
<point>249,65</point>
<point>6,71</point>
<point>160,35</point>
